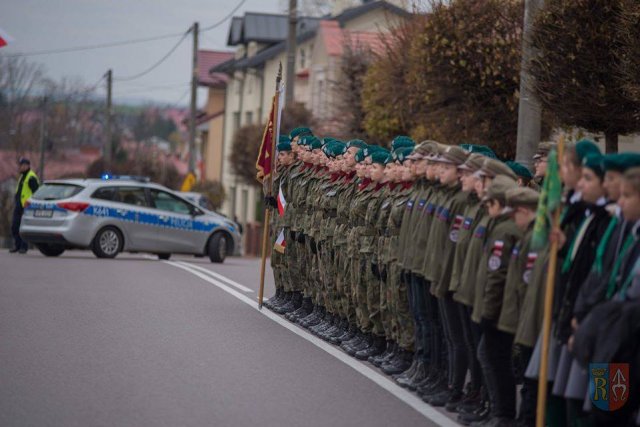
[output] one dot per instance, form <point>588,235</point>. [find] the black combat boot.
<point>364,343</point>
<point>286,299</point>
<point>399,364</point>
<point>377,360</point>
<point>314,318</point>
<point>294,304</point>
<point>342,328</point>
<point>377,347</point>
<point>351,332</point>
<point>305,309</point>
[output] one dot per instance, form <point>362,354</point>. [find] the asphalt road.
<point>140,342</point>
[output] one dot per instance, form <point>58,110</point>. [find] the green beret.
<point>584,147</point>
<point>467,147</point>
<point>453,155</point>
<point>620,162</point>
<point>356,143</point>
<point>315,144</point>
<point>283,138</point>
<point>327,139</point>
<point>359,156</point>
<point>403,153</point>
<point>493,168</point>
<point>391,158</point>
<point>300,131</point>
<point>306,140</point>
<point>402,141</point>
<point>484,150</point>
<point>519,169</point>
<point>594,162</point>
<point>379,157</point>
<point>522,196</point>
<point>372,149</point>
<point>499,187</point>
<point>284,146</point>
<point>334,149</point>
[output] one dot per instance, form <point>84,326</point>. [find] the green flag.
<point>550,199</point>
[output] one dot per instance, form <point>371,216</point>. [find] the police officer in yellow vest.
<point>27,185</point>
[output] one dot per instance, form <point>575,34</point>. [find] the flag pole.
<point>269,188</point>
<point>548,306</point>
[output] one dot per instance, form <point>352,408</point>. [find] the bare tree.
<point>19,81</point>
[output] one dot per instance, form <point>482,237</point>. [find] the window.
<point>168,202</point>
<point>105,193</point>
<point>245,206</point>
<point>249,118</point>
<point>303,59</point>
<point>56,191</point>
<point>131,196</point>
<point>236,120</point>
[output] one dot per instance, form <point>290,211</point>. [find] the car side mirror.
<point>196,212</point>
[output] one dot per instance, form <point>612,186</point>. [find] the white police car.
<point>116,214</point>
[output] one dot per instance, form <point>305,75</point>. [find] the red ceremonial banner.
<point>263,164</point>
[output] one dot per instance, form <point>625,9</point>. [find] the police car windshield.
<point>56,191</point>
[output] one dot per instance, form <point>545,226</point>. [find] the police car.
<point>116,214</point>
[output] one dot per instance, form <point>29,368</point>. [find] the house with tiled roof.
<point>210,124</point>
<point>260,46</point>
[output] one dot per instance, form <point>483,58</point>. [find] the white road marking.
<point>404,395</point>
<point>216,276</point>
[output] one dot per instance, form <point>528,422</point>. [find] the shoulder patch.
<point>466,225</point>
<point>480,231</point>
<point>494,263</point>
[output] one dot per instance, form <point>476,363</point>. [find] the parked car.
<point>203,201</point>
<point>112,215</point>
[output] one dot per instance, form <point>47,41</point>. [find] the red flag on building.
<point>263,164</point>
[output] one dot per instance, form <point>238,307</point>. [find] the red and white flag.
<point>280,242</point>
<point>282,203</point>
<point>5,38</point>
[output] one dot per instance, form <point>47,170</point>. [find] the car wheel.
<point>48,249</point>
<point>218,247</point>
<point>107,243</point>
<point>164,257</point>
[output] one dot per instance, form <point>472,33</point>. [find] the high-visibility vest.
<point>26,190</point>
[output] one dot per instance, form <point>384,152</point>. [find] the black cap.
<point>24,161</point>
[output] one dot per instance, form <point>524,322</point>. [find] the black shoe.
<point>481,415</point>
<point>359,336</point>
<point>399,364</point>
<point>278,306</point>
<point>13,250</point>
<point>388,356</point>
<point>454,400</point>
<point>409,372</point>
<point>22,251</point>
<point>377,347</point>
<point>364,343</point>
<point>349,334</point>
<point>379,358</point>
<point>419,374</point>
<point>469,403</point>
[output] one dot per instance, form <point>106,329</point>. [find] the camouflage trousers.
<point>373,301</point>
<point>359,292</point>
<point>386,317</point>
<point>403,322</point>
<point>343,285</point>
<point>327,275</point>
<point>295,254</point>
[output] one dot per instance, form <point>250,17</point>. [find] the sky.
<point>37,25</point>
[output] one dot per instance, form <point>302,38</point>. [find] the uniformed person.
<point>494,350</point>
<point>523,203</point>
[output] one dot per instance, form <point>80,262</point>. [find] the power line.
<point>155,65</point>
<point>93,47</point>
<point>153,88</point>
<point>121,42</point>
<point>220,22</point>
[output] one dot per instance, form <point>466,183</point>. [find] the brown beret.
<point>493,167</point>
<point>522,196</point>
<point>453,154</point>
<point>499,187</point>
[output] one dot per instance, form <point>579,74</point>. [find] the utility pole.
<point>291,53</point>
<point>108,150</point>
<point>530,110</point>
<point>43,136</point>
<point>194,94</point>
